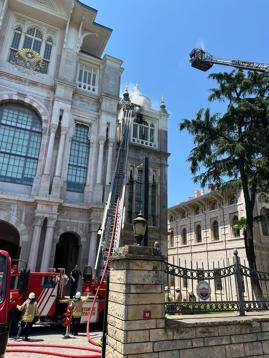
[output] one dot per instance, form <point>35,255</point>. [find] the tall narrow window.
<point>215,230</point>
<point>78,160</point>
<point>130,197</point>
<point>87,78</point>
<point>198,233</point>
<point>15,45</point>
<point>235,228</point>
<point>171,236</point>
<point>153,200</point>
<point>47,54</point>
<point>138,192</point>
<point>265,221</point>
<point>184,236</point>
<point>20,139</point>
<point>217,280</point>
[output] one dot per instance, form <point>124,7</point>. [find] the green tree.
<point>233,146</point>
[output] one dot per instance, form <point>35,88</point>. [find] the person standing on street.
<point>29,315</point>
<point>74,276</point>
<point>76,311</point>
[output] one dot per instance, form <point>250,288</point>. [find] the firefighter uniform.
<point>76,311</point>
<point>29,313</point>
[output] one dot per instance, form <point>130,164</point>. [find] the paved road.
<point>54,335</point>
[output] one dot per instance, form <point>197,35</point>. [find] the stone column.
<point>109,162</point>
<point>89,181</point>
<point>50,150</point>
<point>35,243</point>
<point>100,160</point>
<point>136,302</point>
<point>47,245</point>
<point>57,180</point>
<point>92,248</point>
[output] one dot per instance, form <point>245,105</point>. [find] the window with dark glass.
<point>235,227</point>
<point>185,278</point>
<point>215,230</point>
<point>78,160</point>
<point>138,192</point>
<point>265,221</point>
<point>143,132</point>
<point>3,277</point>
<point>198,233</point>
<point>130,197</point>
<point>15,45</point>
<point>153,201</point>
<point>20,139</point>
<point>217,280</point>
<point>184,236</point>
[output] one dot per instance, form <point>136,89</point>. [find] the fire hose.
<point>11,348</point>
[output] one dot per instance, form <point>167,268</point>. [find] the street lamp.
<point>139,227</point>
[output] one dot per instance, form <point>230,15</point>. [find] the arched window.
<point>78,160</point>
<point>47,54</point>
<point>32,40</point>
<point>15,45</point>
<point>171,236</point>
<point>20,139</point>
<point>184,236</point>
<point>235,227</point>
<point>215,230</point>
<point>143,132</point>
<point>198,233</point>
<point>265,221</point>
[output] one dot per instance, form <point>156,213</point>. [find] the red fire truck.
<point>5,271</point>
<point>50,289</point>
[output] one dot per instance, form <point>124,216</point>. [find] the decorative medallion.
<point>29,59</point>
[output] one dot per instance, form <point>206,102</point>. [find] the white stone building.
<point>59,114</point>
<point>202,230</point>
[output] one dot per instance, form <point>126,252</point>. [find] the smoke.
<point>200,44</point>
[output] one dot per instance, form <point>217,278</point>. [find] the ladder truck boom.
<point>204,61</point>
<point>114,209</point>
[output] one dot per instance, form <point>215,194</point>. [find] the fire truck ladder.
<point>114,210</point>
<point>204,61</point>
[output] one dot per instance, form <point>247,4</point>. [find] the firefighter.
<point>76,311</point>
<point>74,276</point>
<point>30,315</point>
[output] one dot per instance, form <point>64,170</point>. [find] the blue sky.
<point>154,38</point>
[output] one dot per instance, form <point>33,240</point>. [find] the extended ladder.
<point>114,209</point>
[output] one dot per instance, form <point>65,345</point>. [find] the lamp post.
<point>139,227</point>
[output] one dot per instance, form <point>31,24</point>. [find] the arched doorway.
<point>9,240</point>
<point>67,251</point>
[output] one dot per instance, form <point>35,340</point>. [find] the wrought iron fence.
<point>235,287</point>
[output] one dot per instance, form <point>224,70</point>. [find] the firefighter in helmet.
<point>30,315</point>
<point>76,311</point>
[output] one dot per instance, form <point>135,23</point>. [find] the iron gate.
<point>235,287</point>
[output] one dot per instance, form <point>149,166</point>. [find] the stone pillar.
<point>136,302</point>
<point>109,162</point>
<point>50,150</point>
<point>47,245</point>
<point>100,161</point>
<point>92,248</point>
<point>35,243</point>
<point>89,181</point>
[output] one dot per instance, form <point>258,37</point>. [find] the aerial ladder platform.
<point>203,61</point>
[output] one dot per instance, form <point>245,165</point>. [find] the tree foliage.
<point>233,147</point>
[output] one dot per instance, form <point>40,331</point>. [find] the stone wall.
<point>137,326</point>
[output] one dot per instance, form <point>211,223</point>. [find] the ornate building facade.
<point>59,119</point>
<point>203,231</point>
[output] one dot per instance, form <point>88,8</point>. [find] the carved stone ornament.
<point>29,59</point>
